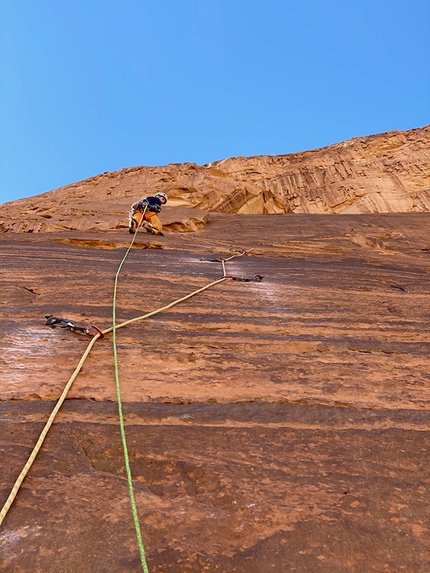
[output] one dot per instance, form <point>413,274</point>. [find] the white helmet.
<point>160,194</point>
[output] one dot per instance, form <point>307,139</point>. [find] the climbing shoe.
<point>132,226</point>
<point>153,230</point>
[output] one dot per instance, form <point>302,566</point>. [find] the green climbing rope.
<point>121,419</point>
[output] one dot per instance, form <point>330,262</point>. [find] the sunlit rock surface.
<point>280,425</point>
<point>388,172</point>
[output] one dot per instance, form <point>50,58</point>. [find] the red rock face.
<point>275,425</point>
<point>383,173</point>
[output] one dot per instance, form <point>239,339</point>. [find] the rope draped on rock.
<point>100,334</point>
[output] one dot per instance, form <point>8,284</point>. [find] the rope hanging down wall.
<point>100,334</point>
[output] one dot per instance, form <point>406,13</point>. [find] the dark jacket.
<point>151,203</point>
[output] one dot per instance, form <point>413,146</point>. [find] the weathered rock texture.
<point>383,173</point>
<point>273,426</point>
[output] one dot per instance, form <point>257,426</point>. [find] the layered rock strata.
<point>274,425</point>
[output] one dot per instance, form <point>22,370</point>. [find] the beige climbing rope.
<point>67,387</point>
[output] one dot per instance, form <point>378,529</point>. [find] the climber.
<point>148,207</point>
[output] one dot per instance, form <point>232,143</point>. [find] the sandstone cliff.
<point>280,425</point>
<point>383,173</point>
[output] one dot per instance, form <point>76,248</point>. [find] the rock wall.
<point>272,426</point>
<point>389,172</point>
<point>280,425</point>
<point>383,173</point>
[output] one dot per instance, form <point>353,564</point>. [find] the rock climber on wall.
<point>147,208</point>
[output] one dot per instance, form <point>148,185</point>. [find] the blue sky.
<point>88,87</point>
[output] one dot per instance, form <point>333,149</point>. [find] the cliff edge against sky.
<point>384,173</point>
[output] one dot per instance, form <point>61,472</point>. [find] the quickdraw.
<point>55,321</point>
<point>255,278</point>
<point>218,260</point>
<point>223,260</point>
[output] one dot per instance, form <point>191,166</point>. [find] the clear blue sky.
<point>88,87</point>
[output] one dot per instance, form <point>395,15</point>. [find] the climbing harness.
<point>53,322</point>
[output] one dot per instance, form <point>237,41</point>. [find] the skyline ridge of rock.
<point>382,173</point>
